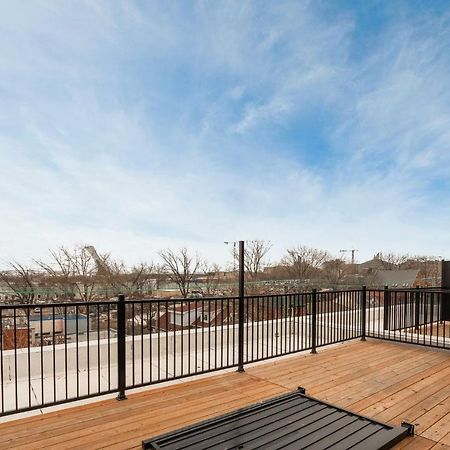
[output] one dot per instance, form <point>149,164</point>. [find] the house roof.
<point>396,278</point>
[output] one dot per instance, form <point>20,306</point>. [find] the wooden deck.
<point>386,381</point>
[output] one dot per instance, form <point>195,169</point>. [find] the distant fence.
<point>56,353</point>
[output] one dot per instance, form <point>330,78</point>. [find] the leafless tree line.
<point>81,273</point>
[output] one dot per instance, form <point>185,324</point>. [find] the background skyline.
<point>136,126</point>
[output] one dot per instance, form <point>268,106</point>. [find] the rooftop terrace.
<point>390,382</point>
<point>125,346</point>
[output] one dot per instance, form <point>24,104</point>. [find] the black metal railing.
<point>417,316</point>
<point>56,353</point>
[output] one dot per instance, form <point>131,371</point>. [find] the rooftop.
<point>390,382</point>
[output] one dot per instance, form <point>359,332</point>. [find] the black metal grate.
<point>290,421</point>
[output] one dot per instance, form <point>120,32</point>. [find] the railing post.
<point>241,309</point>
<point>386,309</point>
<point>417,308</point>
<point>121,348</point>
<point>363,312</point>
<point>314,322</point>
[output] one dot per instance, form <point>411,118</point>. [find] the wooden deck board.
<point>388,381</point>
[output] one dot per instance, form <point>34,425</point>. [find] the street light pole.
<point>241,299</point>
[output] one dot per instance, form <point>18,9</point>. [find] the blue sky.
<point>136,126</point>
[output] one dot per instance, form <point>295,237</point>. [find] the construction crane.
<point>352,250</point>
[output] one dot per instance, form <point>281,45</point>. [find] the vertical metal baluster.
<point>379,313</point>
<point>109,347</point>
<point>339,317</point>
<point>133,355</point>
<point>258,302</point>
<point>42,357</point>
<point>348,312</point>
<point>167,338</point>
<point>335,303</point>
<point>355,306</point>
<point>66,381</point>
<point>98,350</point>
<point>396,314</point>
<point>121,348</point>
<point>303,341</point>
<point>325,305</point>
<point>221,332</point>
<point>191,320</point>
<point>228,332</point>
<point>268,332</point>
<point>439,315</point>
<point>209,335</point>
<point>1,360</point>
<point>159,337</point>
<point>291,318</point>
<point>348,305</point>
<point>15,358</point>
<point>431,316</point>
<point>331,319</point>
<point>28,355</point>
<point>88,315</point>
<point>142,342</point>
<point>444,328</point>
<point>77,339</point>
<point>54,355</point>
<point>174,338</point>
<point>248,324</point>
<point>196,337</point>
<point>150,340</point>
<point>182,333</point>
<point>277,334</point>
<point>284,323</point>
<point>246,329</point>
<point>425,315</point>
<point>234,332</point>
<point>314,321</point>
<point>405,310</point>
<point>331,308</point>
<point>297,322</point>
<point>325,317</point>
<point>363,313</point>
<point>215,334</point>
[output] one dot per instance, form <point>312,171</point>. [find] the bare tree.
<point>335,270</point>
<point>254,254</point>
<point>429,268</point>
<point>21,280</point>
<point>392,261</point>
<point>134,281</point>
<point>302,261</point>
<point>182,268</point>
<point>73,272</point>
<point>212,278</point>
